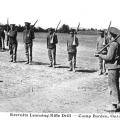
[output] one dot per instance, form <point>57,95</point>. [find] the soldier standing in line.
<point>0,38</point>
<point>101,42</point>
<point>28,36</point>
<point>112,59</point>
<point>13,42</point>
<point>72,45</point>
<point>51,45</point>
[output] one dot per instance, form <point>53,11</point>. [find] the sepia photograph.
<point>60,59</point>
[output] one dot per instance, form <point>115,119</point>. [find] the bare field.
<point>38,88</point>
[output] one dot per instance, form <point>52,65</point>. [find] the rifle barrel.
<point>108,44</point>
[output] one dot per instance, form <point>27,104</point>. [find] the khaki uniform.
<point>72,51</point>
<point>13,44</point>
<point>113,64</point>
<point>28,36</point>
<point>52,48</point>
<point>101,42</point>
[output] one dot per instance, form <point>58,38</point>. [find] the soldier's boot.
<point>14,58</point>
<point>27,62</point>
<point>50,65</point>
<point>74,67</point>
<point>30,60</point>
<point>70,66</point>
<point>53,64</point>
<point>11,58</point>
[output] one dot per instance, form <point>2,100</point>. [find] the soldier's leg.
<point>14,53</point>
<point>54,56</point>
<point>70,56</point>
<point>100,66</point>
<point>27,53</point>
<point>50,56</point>
<point>30,50</point>
<point>0,43</point>
<point>11,52</point>
<point>3,44</point>
<point>74,61</point>
<point>113,85</point>
<point>104,69</point>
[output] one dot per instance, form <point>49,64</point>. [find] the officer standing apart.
<point>28,36</point>
<point>72,45</point>
<point>13,42</point>
<point>113,64</point>
<point>101,42</point>
<point>51,46</point>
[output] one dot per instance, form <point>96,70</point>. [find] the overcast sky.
<point>90,13</point>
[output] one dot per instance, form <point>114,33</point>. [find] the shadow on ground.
<point>39,63</point>
<point>61,67</point>
<point>86,70</point>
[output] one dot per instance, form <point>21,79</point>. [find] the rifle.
<point>74,43</point>
<point>109,44</point>
<point>32,26</point>
<point>55,32</point>
<point>104,43</point>
<point>7,43</point>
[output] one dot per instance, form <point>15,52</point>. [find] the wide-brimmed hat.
<point>114,30</point>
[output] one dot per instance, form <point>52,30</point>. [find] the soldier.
<point>3,38</point>
<point>72,44</point>
<point>51,45</point>
<point>112,59</point>
<point>13,42</point>
<point>0,38</point>
<point>101,42</point>
<point>28,36</point>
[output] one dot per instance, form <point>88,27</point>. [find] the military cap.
<point>27,24</point>
<point>51,30</point>
<point>12,25</point>
<point>73,31</point>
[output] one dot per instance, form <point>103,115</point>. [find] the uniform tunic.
<point>52,47</point>
<point>113,63</point>
<point>13,44</point>
<point>28,36</point>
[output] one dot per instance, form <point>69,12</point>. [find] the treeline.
<point>63,29</point>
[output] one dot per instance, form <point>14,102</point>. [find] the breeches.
<point>72,57</point>
<point>28,50</point>
<point>113,83</point>
<point>52,54</point>
<point>13,51</point>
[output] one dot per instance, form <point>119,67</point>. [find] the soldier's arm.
<point>56,39</point>
<point>110,54</point>
<point>32,34</point>
<point>77,43</point>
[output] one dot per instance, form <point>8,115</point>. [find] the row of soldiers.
<point>111,55</point>
<point>52,40</point>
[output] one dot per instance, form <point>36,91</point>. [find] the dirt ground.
<point>38,88</point>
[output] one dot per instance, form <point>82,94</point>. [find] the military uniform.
<point>113,64</point>
<point>13,43</point>
<point>101,42</point>
<point>28,36</point>
<point>2,38</point>
<point>51,45</point>
<point>72,51</point>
